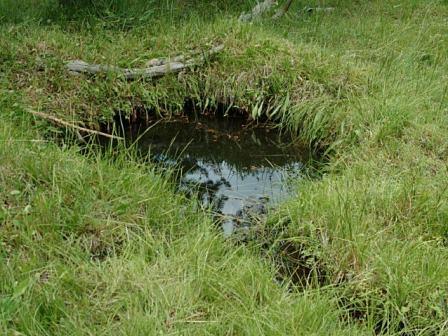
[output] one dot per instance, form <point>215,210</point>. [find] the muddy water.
<point>237,169</point>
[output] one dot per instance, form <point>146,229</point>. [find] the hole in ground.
<point>236,167</point>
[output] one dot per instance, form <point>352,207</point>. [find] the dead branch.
<point>180,58</point>
<point>61,122</point>
<point>157,68</point>
<point>258,10</point>
<point>282,11</point>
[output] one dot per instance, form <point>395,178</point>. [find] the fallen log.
<point>182,58</point>
<point>157,68</point>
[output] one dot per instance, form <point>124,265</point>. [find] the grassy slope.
<point>94,245</point>
<point>98,246</point>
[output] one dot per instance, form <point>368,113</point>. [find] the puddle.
<point>237,169</point>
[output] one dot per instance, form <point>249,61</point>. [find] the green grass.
<point>100,244</point>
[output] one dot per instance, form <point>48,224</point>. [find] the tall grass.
<point>95,244</point>
<point>112,13</point>
<point>92,244</point>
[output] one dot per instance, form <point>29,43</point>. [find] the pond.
<point>237,169</point>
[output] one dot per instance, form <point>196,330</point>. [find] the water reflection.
<point>237,170</point>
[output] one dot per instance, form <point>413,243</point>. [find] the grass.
<point>101,244</point>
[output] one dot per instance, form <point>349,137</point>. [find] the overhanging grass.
<point>99,245</point>
<point>299,85</point>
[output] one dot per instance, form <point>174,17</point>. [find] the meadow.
<point>99,243</point>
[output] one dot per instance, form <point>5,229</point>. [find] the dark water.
<point>238,170</point>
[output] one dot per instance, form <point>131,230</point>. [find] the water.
<point>237,169</point>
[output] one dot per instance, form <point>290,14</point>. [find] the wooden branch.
<point>257,11</point>
<point>282,11</point>
<point>61,122</point>
<point>180,58</point>
<point>160,68</point>
<point>161,61</point>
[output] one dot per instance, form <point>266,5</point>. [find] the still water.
<point>236,169</point>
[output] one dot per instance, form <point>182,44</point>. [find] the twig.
<point>70,125</point>
<point>160,68</point>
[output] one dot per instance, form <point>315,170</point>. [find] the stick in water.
<point>70,125</point>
